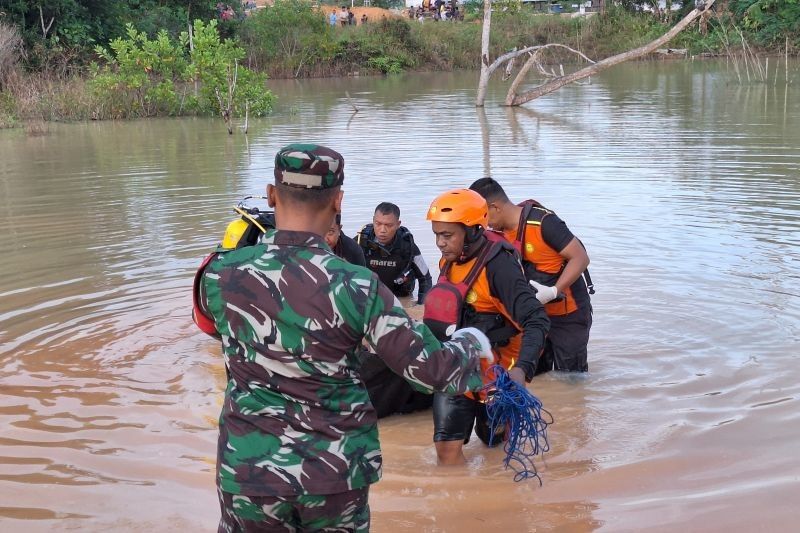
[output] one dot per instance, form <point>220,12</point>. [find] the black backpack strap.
<point>587,278</point>
<point>364,235</point>
<point>523,222</point>
<point>489,250</point>
<point>589,283</point>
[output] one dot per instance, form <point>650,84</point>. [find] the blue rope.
<point>513,407</point>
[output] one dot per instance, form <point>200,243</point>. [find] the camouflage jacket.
<point>296,417</point>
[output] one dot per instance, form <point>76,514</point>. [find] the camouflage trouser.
<point>344,512</point>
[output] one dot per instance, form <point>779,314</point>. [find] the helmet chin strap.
<point>473,235</point>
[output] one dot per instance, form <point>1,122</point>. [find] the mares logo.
<point>382,263</point>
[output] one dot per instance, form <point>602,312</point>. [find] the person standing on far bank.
<point>555,264</point>
<point>298,438</point>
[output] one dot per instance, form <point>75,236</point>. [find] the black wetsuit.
<point>398,264</point>
<point>349,250</point>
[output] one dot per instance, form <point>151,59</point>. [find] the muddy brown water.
<point>684,187</point>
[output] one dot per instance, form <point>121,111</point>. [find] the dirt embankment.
<point>373,13</point>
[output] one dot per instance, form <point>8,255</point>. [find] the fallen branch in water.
<point>514,99</point>
<point>350,101</point>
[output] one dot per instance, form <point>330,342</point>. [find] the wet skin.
<point>385,227</point>
<point>449,239</point>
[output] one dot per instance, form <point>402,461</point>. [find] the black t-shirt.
<point>507,283</point>
<point>349,250</point>
<point>557,236</point>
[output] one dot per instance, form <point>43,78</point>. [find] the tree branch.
<point>49,25</point>
<point>546,88</point>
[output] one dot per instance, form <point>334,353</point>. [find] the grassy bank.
<point>136,77</point>
<point>293,40</point>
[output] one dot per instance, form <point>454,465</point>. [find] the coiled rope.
<point>512,407</point>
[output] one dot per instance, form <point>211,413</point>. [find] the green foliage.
<point>147,77</point>
<point>292,37</point>
<point>75,27</point>
<point>390,4</point>
<point>215,64</point>
<point>7,115</point>
<point>290,32</point>
<point>140,75</point>
<point>71,25</point>
<point>447,46</point>
<point>770,21</point>
<point>387,65</point>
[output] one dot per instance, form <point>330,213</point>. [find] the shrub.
<point>771,21</point>
<point>290,34</point>
<point>146,77</point>
<point>10,51</point>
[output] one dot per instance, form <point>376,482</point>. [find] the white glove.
<point>544,293</point>
<point>475,334</point>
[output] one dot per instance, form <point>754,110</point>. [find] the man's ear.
<point>271,195</point>
<point>337,204</point>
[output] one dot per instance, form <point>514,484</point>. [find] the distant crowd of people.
<point>226,12</point>
<point>437,10</point>
<point>345,17</point>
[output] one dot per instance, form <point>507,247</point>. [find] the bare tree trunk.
<point>191,51</point>
<point>45,28</point>
<point>485,141</point>
<point>226,107</point>
<point>486,72</point>
<point>548,87</point>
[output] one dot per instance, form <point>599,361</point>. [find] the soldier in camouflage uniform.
<point>298,437</point>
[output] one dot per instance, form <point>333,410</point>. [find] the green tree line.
<point>79,59</point>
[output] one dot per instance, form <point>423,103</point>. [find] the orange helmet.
<point>463,206</point>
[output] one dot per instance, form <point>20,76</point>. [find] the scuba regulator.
<point>246,230</point>
<point>365,241</point>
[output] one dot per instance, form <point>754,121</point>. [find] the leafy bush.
<point>387,65</point>
<point>771,21</point>
<point>140,75</point>
<point>215,64</point>
<point>147,77</point>
<point>290,33</point>
<point>10,51</point>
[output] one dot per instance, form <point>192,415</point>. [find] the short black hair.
<point>490,190</point>
<point>338,219</point>
<point>315,199</point>
<point>388,208</point>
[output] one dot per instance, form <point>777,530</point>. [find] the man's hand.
<point>544,293</point>
<point>415,311</point>
<point>517,375</point>
<point>477,337</point>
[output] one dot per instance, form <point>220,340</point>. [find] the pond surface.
<point>684,187</point>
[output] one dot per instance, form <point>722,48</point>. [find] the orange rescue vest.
<point>542,263</point>
<point>462,298</point>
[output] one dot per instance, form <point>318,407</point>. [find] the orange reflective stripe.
<point>479,296</point>
<point>546,262</point>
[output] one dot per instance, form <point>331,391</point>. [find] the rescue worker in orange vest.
<point>481,285</point>
<point>555,263</point>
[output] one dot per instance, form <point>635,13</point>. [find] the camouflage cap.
<point>309,166</point>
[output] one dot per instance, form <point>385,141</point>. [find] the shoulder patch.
<point>471,297</point>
